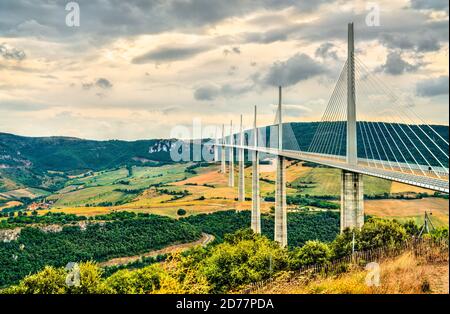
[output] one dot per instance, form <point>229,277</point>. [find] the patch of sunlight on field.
<point>145,176</point>
<point>327,181</point>
<point>319,181</point>
<point>7,184</point>
<point>397,187</point>
<point>101,178</point>
<point>91,195</point>
<point>81,211</point>
<point>10,204</point>
<point>410,209</point>
<point>376,186</point>
<point>26,192</point>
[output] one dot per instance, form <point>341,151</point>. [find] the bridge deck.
<point>414,178</point>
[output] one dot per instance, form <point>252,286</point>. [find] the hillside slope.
<point>405,274</point>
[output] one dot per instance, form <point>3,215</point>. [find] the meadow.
<point>201,188</point>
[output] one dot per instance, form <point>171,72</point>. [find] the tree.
<point>243,258</point>
<point>181,212</point>
<point>313,252</point>
<point>411,228</point>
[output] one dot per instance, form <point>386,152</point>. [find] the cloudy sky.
<point>136,69</point>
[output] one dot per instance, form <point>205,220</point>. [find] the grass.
<point>100,186</point>
<point>100,178</point>
<point>403,210</point>
<point>26,192</point>
<point>405,274</point>
<point>327,181</point>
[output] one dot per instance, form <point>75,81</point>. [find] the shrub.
<point>243,258</point>
<point>52,280</point>
<point>313,252</point>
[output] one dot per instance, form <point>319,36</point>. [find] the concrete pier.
<point>222,152</point>
<point>280,203</point>
<point>280,190</point>
<point>352,200</point>
<point>256,196</point>
<point>241,175</point>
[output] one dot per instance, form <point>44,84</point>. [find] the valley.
<point>137,213</point>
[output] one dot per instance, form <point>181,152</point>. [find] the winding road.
<point>203,241</point>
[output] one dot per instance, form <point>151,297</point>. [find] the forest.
<point>126,233</point>
<point>99,242</point>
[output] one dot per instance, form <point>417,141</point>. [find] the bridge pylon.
<point>223,167</point>
<point>231,158</point>
<point>280,189</point>
<point>352,187</point>
<point>241,174</point>
<point>256,196</point>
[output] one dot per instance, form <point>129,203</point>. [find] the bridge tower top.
<point>231,133</point>
<point>223,133</point>
<point>280,121</point>
<point>241,134</point>
<point>255,131</point>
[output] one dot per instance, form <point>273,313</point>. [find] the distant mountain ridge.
<point>74,154</point>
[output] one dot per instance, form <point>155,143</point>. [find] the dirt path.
<point>203,241</point>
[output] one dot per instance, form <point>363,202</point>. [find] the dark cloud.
<point>270,36</point>
<point>19,105</point>
<point>235,50</point>
<point>87,86</point>
<point>206,93</point>
<point>433,87</point>
<point>11,53</point>
<point>327,50</point>
<point>211,92</point>
<point>395,65</point>
<point>168,54</point>
<point>102,20</point>
<point>298,68</point>
<point>421,43</point>
<point>437,5</point>
<point>103,83</point>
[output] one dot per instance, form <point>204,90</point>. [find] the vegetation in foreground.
<point>99,241</point>
<point>241,259</point>
<point>103,237</point>
<point>404,274</point>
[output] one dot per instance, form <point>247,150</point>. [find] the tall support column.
<point>231,158</point>
<point>241,178</point>
<point>216,148</point>
<point>222,152</point>
<point>351,102</point>
<point>256,196</point>
<point>280,190</point>
<point>352,200</point>
<point>352,188</point>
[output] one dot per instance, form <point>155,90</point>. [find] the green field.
<point>326,181</point>
<point>101,187</point>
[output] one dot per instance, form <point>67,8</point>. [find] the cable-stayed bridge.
<point>365,130</point>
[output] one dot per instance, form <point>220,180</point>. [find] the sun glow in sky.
<point>136,69</point>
